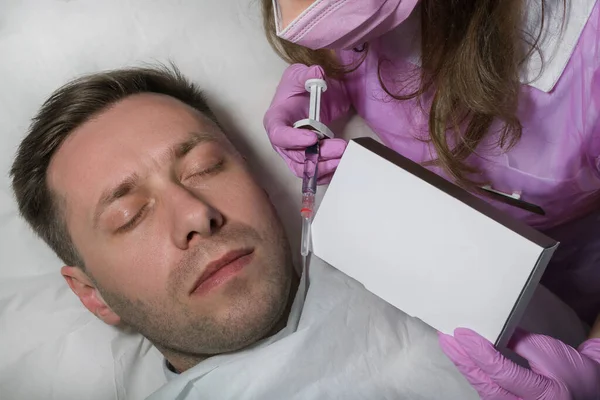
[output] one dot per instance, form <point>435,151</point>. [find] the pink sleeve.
<point>592,117</point>
<point>344,24</point>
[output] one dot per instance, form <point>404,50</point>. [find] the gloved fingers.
<point>295,156</point>
<point>288,138</point>
<point>293,82</point>
<point>327,167</point>
<point>296,168</point>
<point>296,75</point>
<point>332,149</point>
<point>295,160</point>
<point>324,179</point>
<point>479,380</point>
<point>520,381</point>
<point>542,352</point>
<point>329,149</point>
<point>538,350</point>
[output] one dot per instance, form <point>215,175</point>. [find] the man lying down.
<point>130,180</point>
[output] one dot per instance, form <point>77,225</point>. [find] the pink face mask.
<point>344,24</point>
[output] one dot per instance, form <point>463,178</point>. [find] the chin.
<point>256,315</point>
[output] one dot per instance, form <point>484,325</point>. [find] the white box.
<point>426,246</point>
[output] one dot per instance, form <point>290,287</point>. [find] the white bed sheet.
<point>50,346</point>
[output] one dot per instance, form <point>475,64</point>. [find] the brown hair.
<point>68,108</point>
<point>471,53</point>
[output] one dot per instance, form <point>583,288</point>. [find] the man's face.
<point>177,236</point>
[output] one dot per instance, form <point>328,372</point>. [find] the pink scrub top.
<point>555,165</point>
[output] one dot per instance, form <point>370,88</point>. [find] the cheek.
<point>247,203</point>
<point>133,266</point>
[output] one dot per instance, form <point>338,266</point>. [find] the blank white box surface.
<point>421,249</point>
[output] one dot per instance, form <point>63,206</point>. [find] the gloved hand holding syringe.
<point>309,178</point>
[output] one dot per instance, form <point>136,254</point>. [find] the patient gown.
<point>340,342</point>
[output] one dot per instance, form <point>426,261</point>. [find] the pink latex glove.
<point>558,371</point>
<point>291,104</point>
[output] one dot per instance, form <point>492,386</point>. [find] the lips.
<point>232,261</point>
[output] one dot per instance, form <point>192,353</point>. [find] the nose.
<point>193,217</point>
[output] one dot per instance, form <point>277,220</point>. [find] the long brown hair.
<point>471,54</point>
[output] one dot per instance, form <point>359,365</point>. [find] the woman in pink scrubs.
<point>495,95</point>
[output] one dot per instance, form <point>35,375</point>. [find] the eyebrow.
<point>130,183</point>
<point>180,150</point>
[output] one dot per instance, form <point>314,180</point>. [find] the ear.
<point>89,295</point>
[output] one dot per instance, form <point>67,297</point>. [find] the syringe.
<point>309,190</point>
<point>309,178</point>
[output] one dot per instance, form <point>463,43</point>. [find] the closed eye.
<point>218,167</point>
<point>133,221</point>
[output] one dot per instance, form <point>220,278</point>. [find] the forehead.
<point>130,135</point>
